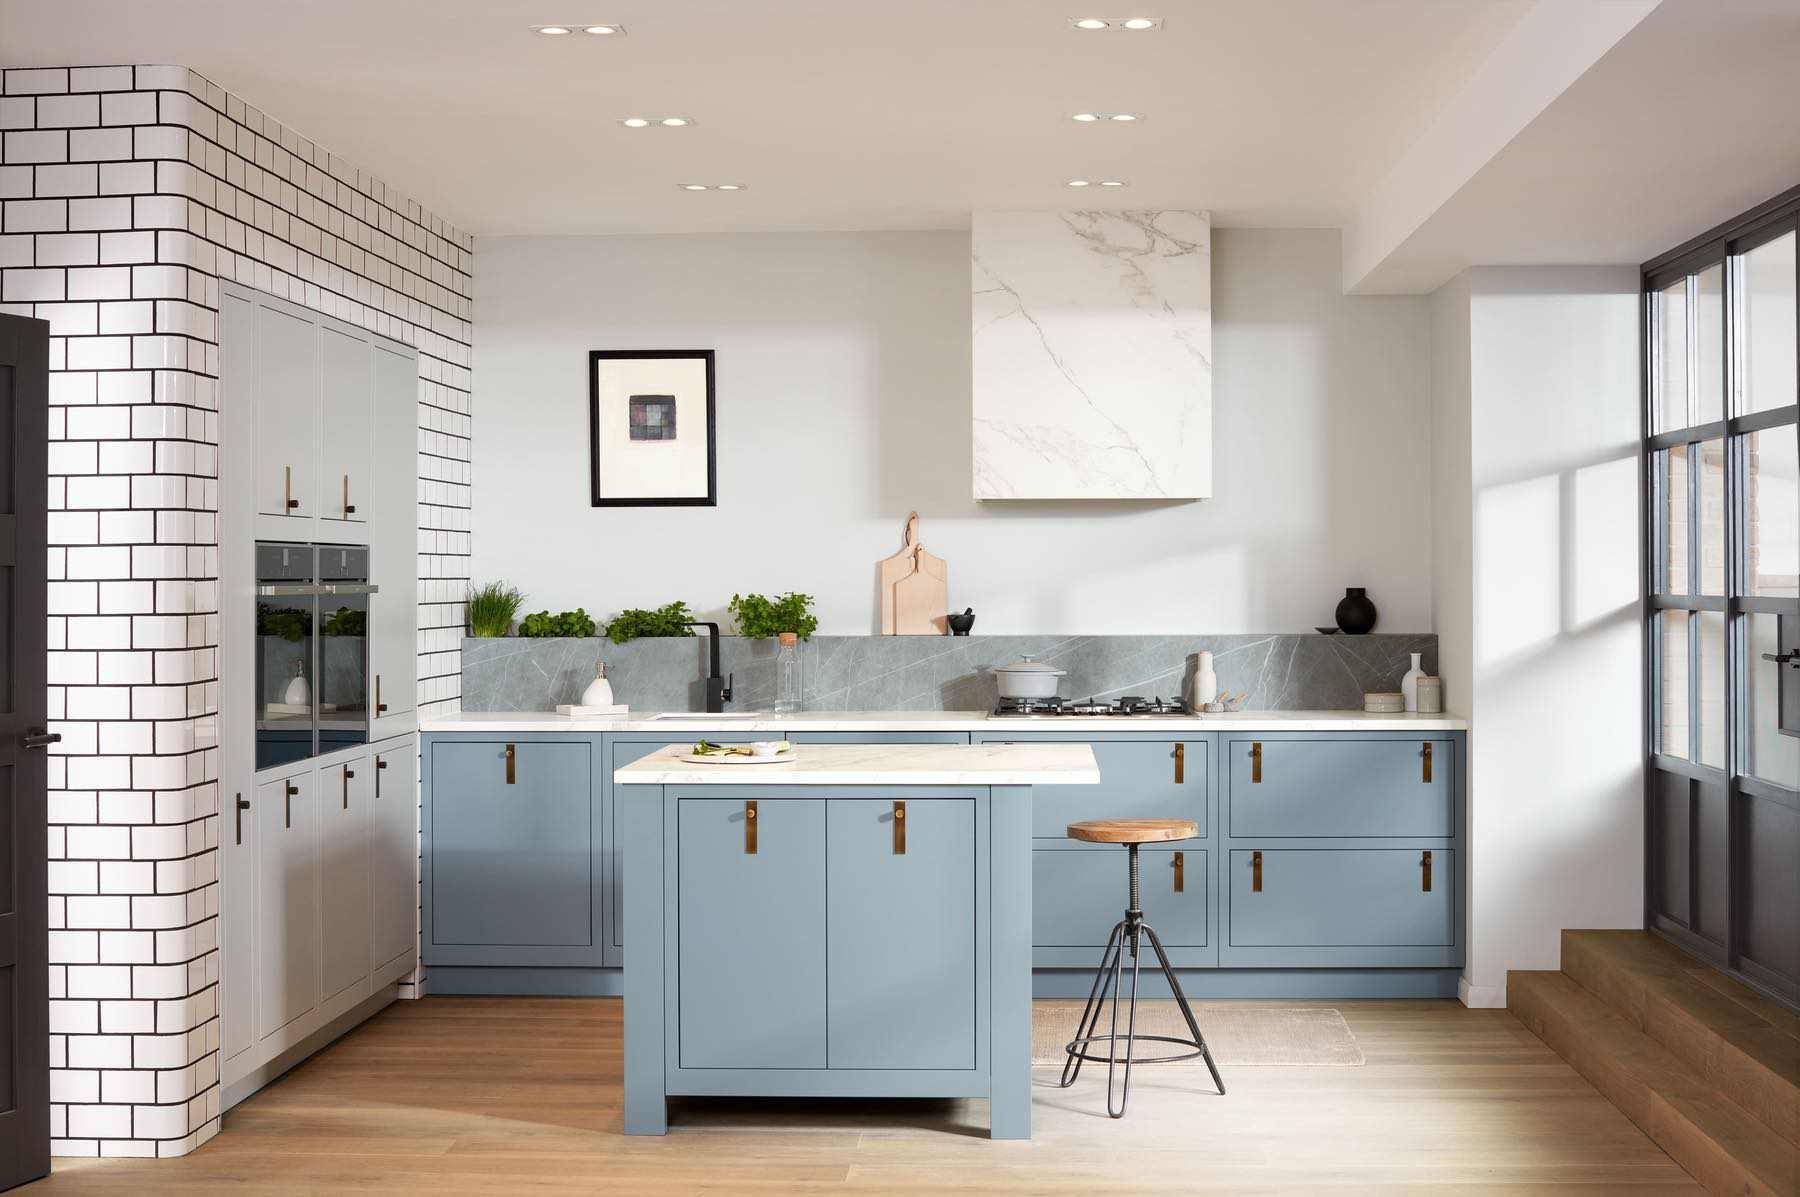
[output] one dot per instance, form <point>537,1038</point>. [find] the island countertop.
<point>880,765</point>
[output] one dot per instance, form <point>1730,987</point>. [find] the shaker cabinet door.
<point>1343,898</point>
<point>286,377</point>
<point>751,928</point>
<point>901,940</point>
<point>287,898</point>
<point>512,859</point>
<point>344,890</point>
<point>394,851</point>
<point>394,540</point>
<point>345,427</point>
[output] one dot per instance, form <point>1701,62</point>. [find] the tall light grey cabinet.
<point>319,886</point>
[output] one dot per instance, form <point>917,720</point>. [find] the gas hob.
<point>1125,707</point>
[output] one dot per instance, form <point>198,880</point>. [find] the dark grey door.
<point>24,923</point>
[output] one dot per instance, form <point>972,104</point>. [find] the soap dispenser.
<point>599,692</point>
<point>299,694</point>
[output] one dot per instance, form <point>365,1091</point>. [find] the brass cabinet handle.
<point>512,757</point>
<point>1180,763</point>
<point>750,827</point>
<point>349,507</point>
<point>1256,872</point>
<point>242,806</point>
<point>287,488</point>
<point>1180,881</point>
<point>379,705</point>
<point>380,768</point>
<point>899,827</point>
<point>1426,768</point>
<point>1256,761</point>
<point>1425,872</point>
<point>348,774</point>
<point>287,816</point>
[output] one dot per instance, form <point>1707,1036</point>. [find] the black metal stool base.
<point>1110,981</point>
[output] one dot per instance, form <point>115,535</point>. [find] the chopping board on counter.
<point>915,592</point>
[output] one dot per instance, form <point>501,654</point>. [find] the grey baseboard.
<point>526,982</point>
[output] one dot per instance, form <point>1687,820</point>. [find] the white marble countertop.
<point>886,721</point>
<point>881,765</point>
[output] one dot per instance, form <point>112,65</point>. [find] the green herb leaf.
<point>760,617</point>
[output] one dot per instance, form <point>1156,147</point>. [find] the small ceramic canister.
<point>1377,703</point>
<point>1431,695</point>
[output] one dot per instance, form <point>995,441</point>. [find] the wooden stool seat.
<point>1133,831</point>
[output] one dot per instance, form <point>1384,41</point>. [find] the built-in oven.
<point>312,650</point>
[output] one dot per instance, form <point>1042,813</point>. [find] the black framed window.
<point>1721,321</point>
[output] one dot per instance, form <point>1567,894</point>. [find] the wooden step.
<point>1744,1045</point>
<point>1719,1144</point>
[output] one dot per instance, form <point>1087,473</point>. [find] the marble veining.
<point>1280,672</point>
<point>1092,354</point>
<point>881,764</point>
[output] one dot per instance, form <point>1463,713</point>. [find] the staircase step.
<point>1731,1036</point>
<point>1718,1143</point>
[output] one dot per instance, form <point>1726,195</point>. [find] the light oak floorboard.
<point>450,1096</point>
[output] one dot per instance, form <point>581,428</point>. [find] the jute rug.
<point>1238,1035</point>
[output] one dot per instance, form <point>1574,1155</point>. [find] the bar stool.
<point>1124,938</point>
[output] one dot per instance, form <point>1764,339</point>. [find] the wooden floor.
<point>516,1095</point>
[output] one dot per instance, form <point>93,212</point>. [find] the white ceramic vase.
<point>1206,681</point>
<point>1409,685</point>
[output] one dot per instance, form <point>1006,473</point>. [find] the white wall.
<point>1541,516</point>
<point>844,402</point>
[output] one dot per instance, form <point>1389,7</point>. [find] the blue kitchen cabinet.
<point>510,871</point>
<point>901,940</point>
<point>1343,905</point>
<point>860,737</point>
<point>751,933</point>
<point>1081,890</point>
<point>1142,776</point>
<point>1276,787</point>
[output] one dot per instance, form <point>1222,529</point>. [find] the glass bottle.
<point>787,674</point>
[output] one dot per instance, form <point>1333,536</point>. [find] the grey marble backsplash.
<point>1281,672</point>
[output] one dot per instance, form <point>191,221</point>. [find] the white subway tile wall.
<point>126,195</point>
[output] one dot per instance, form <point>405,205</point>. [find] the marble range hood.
<point>1092,338</point>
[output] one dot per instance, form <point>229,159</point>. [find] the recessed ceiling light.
<point>1141,23</point>
<point>1122,117</point>
<point>1112,182</point>
<point>666,122</point>
<point>603,30</point>
<point>1089,118</point>
<point>693,186</point>
<point>712,186</point>
<point>1078,182</point>
<point>1085,117</point>
<point>674,122</point>
<point>1103,24</point>
<point>1090,23</point>
<point>552,30</point>
<point>731,186</point>
<point>634,122</point>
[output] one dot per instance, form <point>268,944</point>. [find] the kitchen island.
<point>855,922</point>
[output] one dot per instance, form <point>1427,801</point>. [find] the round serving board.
<point>736,759</point>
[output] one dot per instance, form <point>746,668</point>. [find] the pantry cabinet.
<point>346,426</point>
<point>278,349</point>
<point>394,857</point>
<point>394,542</point>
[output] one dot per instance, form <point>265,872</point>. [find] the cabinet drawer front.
<point>751,963</point>
<point>1350,897</point>
<point>511,864</point>
<point>1137,781</point>
<point>902,934</point>
<point>1340,788</point>
<point>1078,894</point>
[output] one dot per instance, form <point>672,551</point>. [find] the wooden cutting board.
<point>915,592</point>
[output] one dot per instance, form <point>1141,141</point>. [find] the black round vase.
<point>1355,613</point>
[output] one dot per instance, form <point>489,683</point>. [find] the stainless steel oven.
<point>312,650</point>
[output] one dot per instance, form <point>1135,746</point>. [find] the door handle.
<point>380,768</point>
<point>1180,763</point>
<point>287,488</point>
<point>349,507</point>
<point>379,705</point>
<point>750,827</point>
<point>1256,872</point>
<point>1180,880</point>
<point>1425,872</point>
<point>1425,765</point>
<point>40,739</point>
<point>348,774</point>
<point>1256,761</point>
<point>1791,657</point>
<point>512,759</point>
<point>899,827</point>
<point>243,805</point>
<point>287,815</point>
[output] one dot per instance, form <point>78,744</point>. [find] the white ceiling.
<point>837,114</point>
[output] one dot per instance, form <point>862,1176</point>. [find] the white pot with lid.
<point>1028,677</point>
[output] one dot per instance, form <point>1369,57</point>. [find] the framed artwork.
<point>651,435</point>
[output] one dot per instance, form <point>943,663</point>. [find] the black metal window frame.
<point>1723,247</point>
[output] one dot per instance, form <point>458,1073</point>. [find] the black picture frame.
<point>595,358</point>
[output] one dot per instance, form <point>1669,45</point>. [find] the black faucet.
<point>718,689</point>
